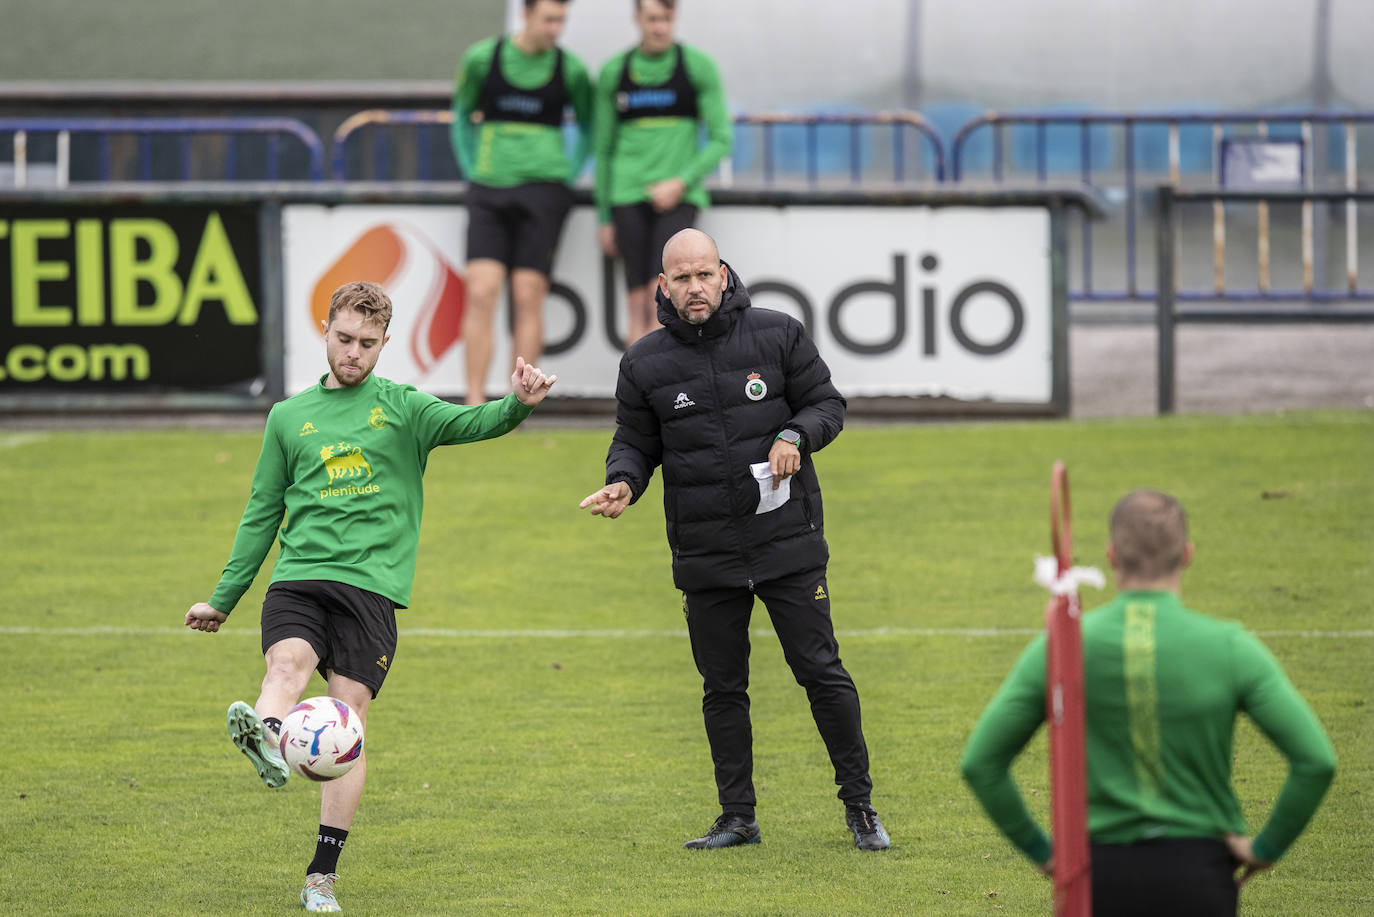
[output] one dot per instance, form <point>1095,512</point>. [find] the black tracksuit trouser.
<point>1180,877</point>
<point>799,606</point>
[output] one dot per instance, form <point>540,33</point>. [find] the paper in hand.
<point>769,499</point>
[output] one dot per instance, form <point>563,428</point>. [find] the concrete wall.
<point>239,39</point>
<point>775,54</point>
<point>1113,54</point>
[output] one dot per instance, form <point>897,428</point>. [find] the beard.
<point>349,379</point>
<point>684,311</point>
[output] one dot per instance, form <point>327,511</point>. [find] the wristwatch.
<point>792,437</point>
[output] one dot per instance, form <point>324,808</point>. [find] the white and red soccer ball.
<point>321,738</point>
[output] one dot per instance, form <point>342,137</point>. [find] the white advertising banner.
<point>952,301</point>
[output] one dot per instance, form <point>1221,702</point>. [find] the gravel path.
<point>1222,369</point>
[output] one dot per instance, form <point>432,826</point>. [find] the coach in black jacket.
<point>721,387</point>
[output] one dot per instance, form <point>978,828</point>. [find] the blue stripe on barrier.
<point>144,129</point>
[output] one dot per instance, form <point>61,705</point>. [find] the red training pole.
<point>1064,715</point>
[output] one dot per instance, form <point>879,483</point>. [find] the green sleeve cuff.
<point>1039,849</point>
<point>227,595</point>
<point>516,409</point>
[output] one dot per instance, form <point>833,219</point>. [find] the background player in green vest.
<point>343,462</point>
<point>508,108</point>
<point>1162,687</point>
<point>649,162</point>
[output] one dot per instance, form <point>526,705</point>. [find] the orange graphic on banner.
<point>440,322</point>
<point>376,257</point>
<point>389,255</point>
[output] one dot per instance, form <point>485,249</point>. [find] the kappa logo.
<point>344,461</point>
<point>820,593</point>
<point>308,429</point>
<point>381,661</point>
<point>683,402</point>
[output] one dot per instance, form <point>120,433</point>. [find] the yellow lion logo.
<point>344,461</point>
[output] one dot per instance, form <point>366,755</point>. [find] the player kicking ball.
<point>336,459</point>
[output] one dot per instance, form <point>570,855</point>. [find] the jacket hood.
<point>734,298</point>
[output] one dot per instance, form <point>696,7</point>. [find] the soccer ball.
<point>321,738</point>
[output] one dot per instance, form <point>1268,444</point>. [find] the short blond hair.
<point>367,299</point>
<point>1150,531</point>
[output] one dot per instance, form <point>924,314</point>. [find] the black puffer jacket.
<point>683,403</point>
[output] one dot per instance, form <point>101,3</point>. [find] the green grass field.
<point>538,745</point>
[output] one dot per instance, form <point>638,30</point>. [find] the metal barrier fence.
<point>770,149</point>
<point>847,146</point>
<point>1123,155</point>
<point>376,123</point>
<point>1168,315</point>
<point>1111,151</point>
<point>97,159</point>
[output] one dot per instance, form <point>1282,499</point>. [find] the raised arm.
<point>441,423</point>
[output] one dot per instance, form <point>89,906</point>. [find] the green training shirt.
<point>1162,687</point>
<point>502,154</point>
<point>630,155</point>
<point>345,467</point>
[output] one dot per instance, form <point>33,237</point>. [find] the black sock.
<point>327,850</point>
<point>272,723</point>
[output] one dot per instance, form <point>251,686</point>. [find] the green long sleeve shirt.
<point>503,154</point>
<point>1162,687</point>
<point>345,467</point>
<point>633,154</point>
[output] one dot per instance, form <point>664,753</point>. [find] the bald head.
<point>690,243</point>
<point>693,276</point>
<point>1149,536</point>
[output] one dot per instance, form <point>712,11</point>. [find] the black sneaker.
<point>869,833</point>
<point>730,830</point>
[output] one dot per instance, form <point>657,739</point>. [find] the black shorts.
<point>640,234</point>
<point>353,631</point>
<point>1180,877</point>
<point>518,226</point>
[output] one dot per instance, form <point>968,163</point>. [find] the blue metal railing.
<point>1110,150</point>
<point>1124,155</point>
<point>845,146</point>
<point>839,145</point>
<point>378,119</point>
<point>184,130</point>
